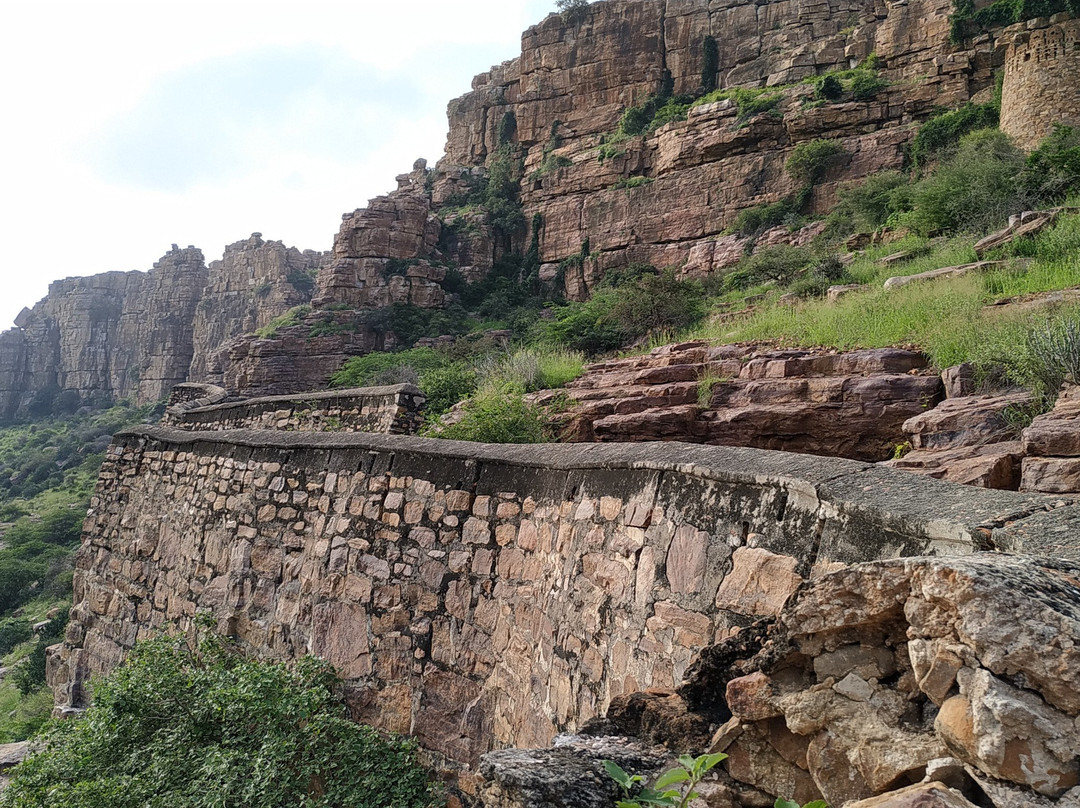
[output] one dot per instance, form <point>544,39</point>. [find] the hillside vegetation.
<point>47,472</point>
<point>965,179</point>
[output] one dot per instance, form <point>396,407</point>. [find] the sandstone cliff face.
<point>572,82</point>
<point>254,282</point>
<point>135,335</point>
<point>555,107</point>
<point>115,335</point>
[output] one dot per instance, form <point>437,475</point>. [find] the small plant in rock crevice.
<point>686,775</point>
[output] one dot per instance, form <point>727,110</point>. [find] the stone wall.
<point>1042,78</point>
<point>480,596</point>
<point>393,410</point>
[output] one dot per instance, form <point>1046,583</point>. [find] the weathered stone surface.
<point>570,775</point>
<point>1056,433</point>
<point>1041,73</point>
<point>965,421</point>
<point>759,584</point>
<point>12,754</point>
<point>254,282</point>
<point>995,465</point>
<point>393,410</point>
<point>1011,734</point>
<point>921,795</point>
<point>401,558</point>
<point>842,404</point>
<point>944,272</point>
<point>859,658</point>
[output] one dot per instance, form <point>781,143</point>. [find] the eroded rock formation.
<point>116,335</point>
<point>880,676</point>
<point>851,404</point>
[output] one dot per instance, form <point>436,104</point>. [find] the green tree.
<point>572,11</point>
<point>177,728</point>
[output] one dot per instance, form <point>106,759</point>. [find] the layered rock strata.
<point>135,335</point>
<point>839,404</point>
<point>116,335</point>
<point>254,282</point>
<point>481,596</point>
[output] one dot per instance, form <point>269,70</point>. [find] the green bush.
<point>750,221</point>
<point>781,264</point>
<point>966,21</point>
<point>29,677</point>
<point>1052,171</point>
<point>809,160</point>
<point>658,301</point>
<point>172,728</point>
<point>13,632</point>
<point>865,207</point>
<point>446,386</point>
<point>499,418</point>
<point>945,130</point>
<point>445,382</point>
<point>749,102</point>
<point>865,84</point>
<point>829,88</point>
<point>1048,357</point>
<point>587,326</point>
<point>287,320</point>
<point>973,190</point>
<point>368,370</point>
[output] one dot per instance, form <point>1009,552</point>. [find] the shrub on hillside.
<point>974,189</point>
<point>1052,171</point>
<point>528,369</point>
<point>780,264</point>
<point>809,160</point>
<point>196,729</point>
<point>1047,358</point>
<point>658,301</point>
<point>944,131</point>
<point>829,88</point>
<point>499,418</point>
<point>865,207</point>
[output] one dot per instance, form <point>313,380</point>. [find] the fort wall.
<point>482,596</point>
<point>1042,78</point>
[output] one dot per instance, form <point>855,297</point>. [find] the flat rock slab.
<point>944,272</point>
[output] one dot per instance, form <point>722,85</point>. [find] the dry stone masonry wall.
<point>393,410</point>
<point>480,596</point>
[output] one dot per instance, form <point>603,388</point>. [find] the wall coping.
<point>321,395</point>
<point>957,518</point>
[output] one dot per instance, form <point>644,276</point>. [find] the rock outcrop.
<point>104,337</point>
<point>665,197</point>
<point>481,595</point>
<point>881,675</point>
<point>829,403</point>
<point>254,282</point>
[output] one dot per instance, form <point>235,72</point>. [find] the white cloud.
<point>131,125</point>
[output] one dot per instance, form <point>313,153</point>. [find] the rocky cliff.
<point>545,122</point>
<point>134,335</point>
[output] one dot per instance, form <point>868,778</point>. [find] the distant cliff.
<point>538,167</point>
<point>133,335</point>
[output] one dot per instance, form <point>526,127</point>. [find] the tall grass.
<point>947,319</point>
<point>524,370</point>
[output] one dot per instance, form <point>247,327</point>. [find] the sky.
<point>126,127</point>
